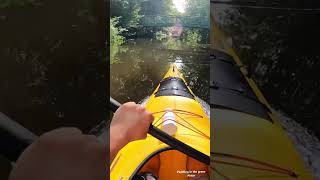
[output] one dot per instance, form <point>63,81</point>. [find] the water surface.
<point>145,63</point>
<point>146,39</point>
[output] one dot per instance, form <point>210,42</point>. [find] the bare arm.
<point>130,122</point>
<point>66,153</point>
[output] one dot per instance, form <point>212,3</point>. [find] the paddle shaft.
<point>169,140</point>
<point>14,138</point>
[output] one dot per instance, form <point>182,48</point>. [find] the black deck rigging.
<point>229,88</point>
<point>173,86</point>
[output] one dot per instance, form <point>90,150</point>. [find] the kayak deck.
<point>248,141</point>
<point>193,128</point>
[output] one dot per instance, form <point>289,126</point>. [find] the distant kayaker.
<point>66,153</point>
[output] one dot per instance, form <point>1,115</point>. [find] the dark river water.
<point>144,64</point>
<point>53,68</point>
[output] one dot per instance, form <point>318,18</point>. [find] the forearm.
<point>129,123</point>
<point>117,141</point>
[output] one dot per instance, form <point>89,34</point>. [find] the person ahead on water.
<point>67,154</point>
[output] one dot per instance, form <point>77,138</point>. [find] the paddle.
<point>167,139</point>
<point>14,138</point>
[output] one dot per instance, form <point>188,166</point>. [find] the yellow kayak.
<point>248,141</point>
<point>178,113</point>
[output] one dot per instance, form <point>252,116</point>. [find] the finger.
<point>126,106</point>
<point>140,108</point>
<point>149,117</point>
<point>129,104</point>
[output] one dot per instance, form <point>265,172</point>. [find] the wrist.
<point>118,138</point>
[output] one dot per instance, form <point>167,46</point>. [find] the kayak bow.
<point>177,112</point>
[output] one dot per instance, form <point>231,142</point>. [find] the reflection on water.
<point>147,38</point>
<point>144,64</point>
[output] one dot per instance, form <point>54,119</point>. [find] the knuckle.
<point>149,117</point>
<point>131,103</point>
<point>140,108</point>
<point>124,106</point>
<point>128,105</point>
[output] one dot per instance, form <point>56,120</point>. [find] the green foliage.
<point>170,9</point>
<point>198,8</point>
<point>116,39</point>
<point>129,10</point>
<point>189,39</point>
<point>135,17</point>
<point>198,12</point>
<point>137,13</point>
<point>160,35</point>
<point>192,38</point>
<point>115,32</point>
<point>172,43</point>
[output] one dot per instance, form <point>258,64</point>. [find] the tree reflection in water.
<point>143,65</point>
<point>141,62</point>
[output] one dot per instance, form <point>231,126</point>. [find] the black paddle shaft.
<point>167,139</point>
<point>14,138</point>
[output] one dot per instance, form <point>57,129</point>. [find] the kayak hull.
<point>245,132</point>
<point>193,128</point>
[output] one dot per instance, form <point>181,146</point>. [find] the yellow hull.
<point>132,157</point>
<point>250,136</point>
